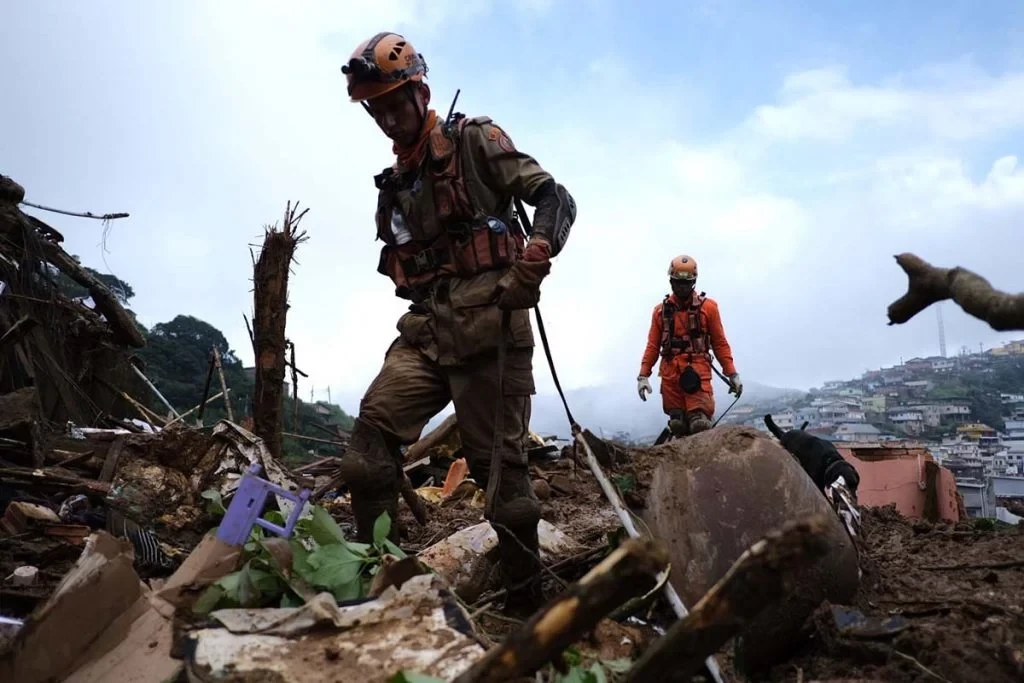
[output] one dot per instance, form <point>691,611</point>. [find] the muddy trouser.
<point>410,390</point>
<point>688,413</point>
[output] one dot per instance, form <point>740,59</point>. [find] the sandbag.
<point>714,494</point>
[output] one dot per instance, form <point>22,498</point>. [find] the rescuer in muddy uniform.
<point>454,249</point>
<point>685,327</point>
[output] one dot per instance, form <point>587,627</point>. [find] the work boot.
<point>699,422</point>
<point>515,522</point>
<point>677,425</point>
<point>371,472</point>
<point>518,559</point>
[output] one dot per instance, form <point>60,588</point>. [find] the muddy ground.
<point>958,589</point>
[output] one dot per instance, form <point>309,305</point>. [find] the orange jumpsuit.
<point>710,333</point>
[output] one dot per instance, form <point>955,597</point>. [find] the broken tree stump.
<point>630,570</point>
<point>927,284</point>
<point>764,574</point>
<point>270,294</point>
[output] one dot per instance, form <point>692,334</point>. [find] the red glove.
<point>520,287</point>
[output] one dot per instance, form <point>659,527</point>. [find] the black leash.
<point>528,229</point>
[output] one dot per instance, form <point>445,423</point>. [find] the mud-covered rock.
<point>713,495</point>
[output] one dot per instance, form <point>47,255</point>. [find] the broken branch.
<point>84,214</point>
<point>194,409</point>
<point>628,571</point>
<point>761,575</point>
<point>223,384</point>
<point>928,284</point>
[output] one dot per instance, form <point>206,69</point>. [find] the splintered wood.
<point>630,570</point>
<point>270,294</point>
<point>928,284</point>
<point>762,575</point>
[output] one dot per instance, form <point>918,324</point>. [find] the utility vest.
<point>449,234</point>
<point>694,341</point>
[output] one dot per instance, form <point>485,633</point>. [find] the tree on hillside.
<point>177,360</point>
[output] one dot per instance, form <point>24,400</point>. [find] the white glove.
<point>737,385</point>
<point>643,385</point>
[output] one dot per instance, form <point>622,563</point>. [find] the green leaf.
<point>229,584</point>
<point>618,666</point>
<point>216,504</point>
<point>275,517</point>
<point>572,656</point>
<point>625,482</point>
<point>394,549</point>
<point>334,566</point>
<point>249,594</point>
<point>574,675</point>
<point>324,529</point>
<point>381,528</point>
<point>289,599</point>
<point>300,561</point>
<point>209,600</point>
<point>405,676</point>
<point>350,591</point>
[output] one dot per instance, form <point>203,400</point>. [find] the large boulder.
<point>713,495</point>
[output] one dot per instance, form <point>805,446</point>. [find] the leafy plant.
<point>599,671</point>
<point>287,572</point>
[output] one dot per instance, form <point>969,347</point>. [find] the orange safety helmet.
<point>683,267</point>
<point>381,64</point>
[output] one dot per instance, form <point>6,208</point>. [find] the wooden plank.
<point>113,456</point>
<point>55,373</point>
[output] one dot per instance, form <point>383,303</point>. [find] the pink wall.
<point>897,475</point>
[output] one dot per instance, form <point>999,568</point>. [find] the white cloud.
<point>956,102</point>
<point>222,118</point>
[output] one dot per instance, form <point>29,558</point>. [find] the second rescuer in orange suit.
<point>684,347</point>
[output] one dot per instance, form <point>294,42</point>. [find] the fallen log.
<point>928,284</point>
<point>433,439</point>
<point>761,576</point>
<point>270,301</point>
<point>630,570</point>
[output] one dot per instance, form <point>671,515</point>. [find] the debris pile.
<point>129,551</point>
<point>76,357</point>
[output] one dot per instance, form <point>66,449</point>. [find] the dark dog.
<point>818,457</point>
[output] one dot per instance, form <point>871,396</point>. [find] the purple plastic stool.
<point>247,506</point>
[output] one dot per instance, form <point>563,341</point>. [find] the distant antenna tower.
<point>942,331</point>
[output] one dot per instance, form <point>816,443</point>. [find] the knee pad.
<point>368,464</point>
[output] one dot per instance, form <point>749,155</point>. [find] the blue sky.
<point>792,147</point>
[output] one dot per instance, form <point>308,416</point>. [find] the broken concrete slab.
<point>456,558</point>
<point>420,627</point>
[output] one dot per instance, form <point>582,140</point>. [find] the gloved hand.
<point>643,385</point>
<point>520,286</point>
<point>735,384</point>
